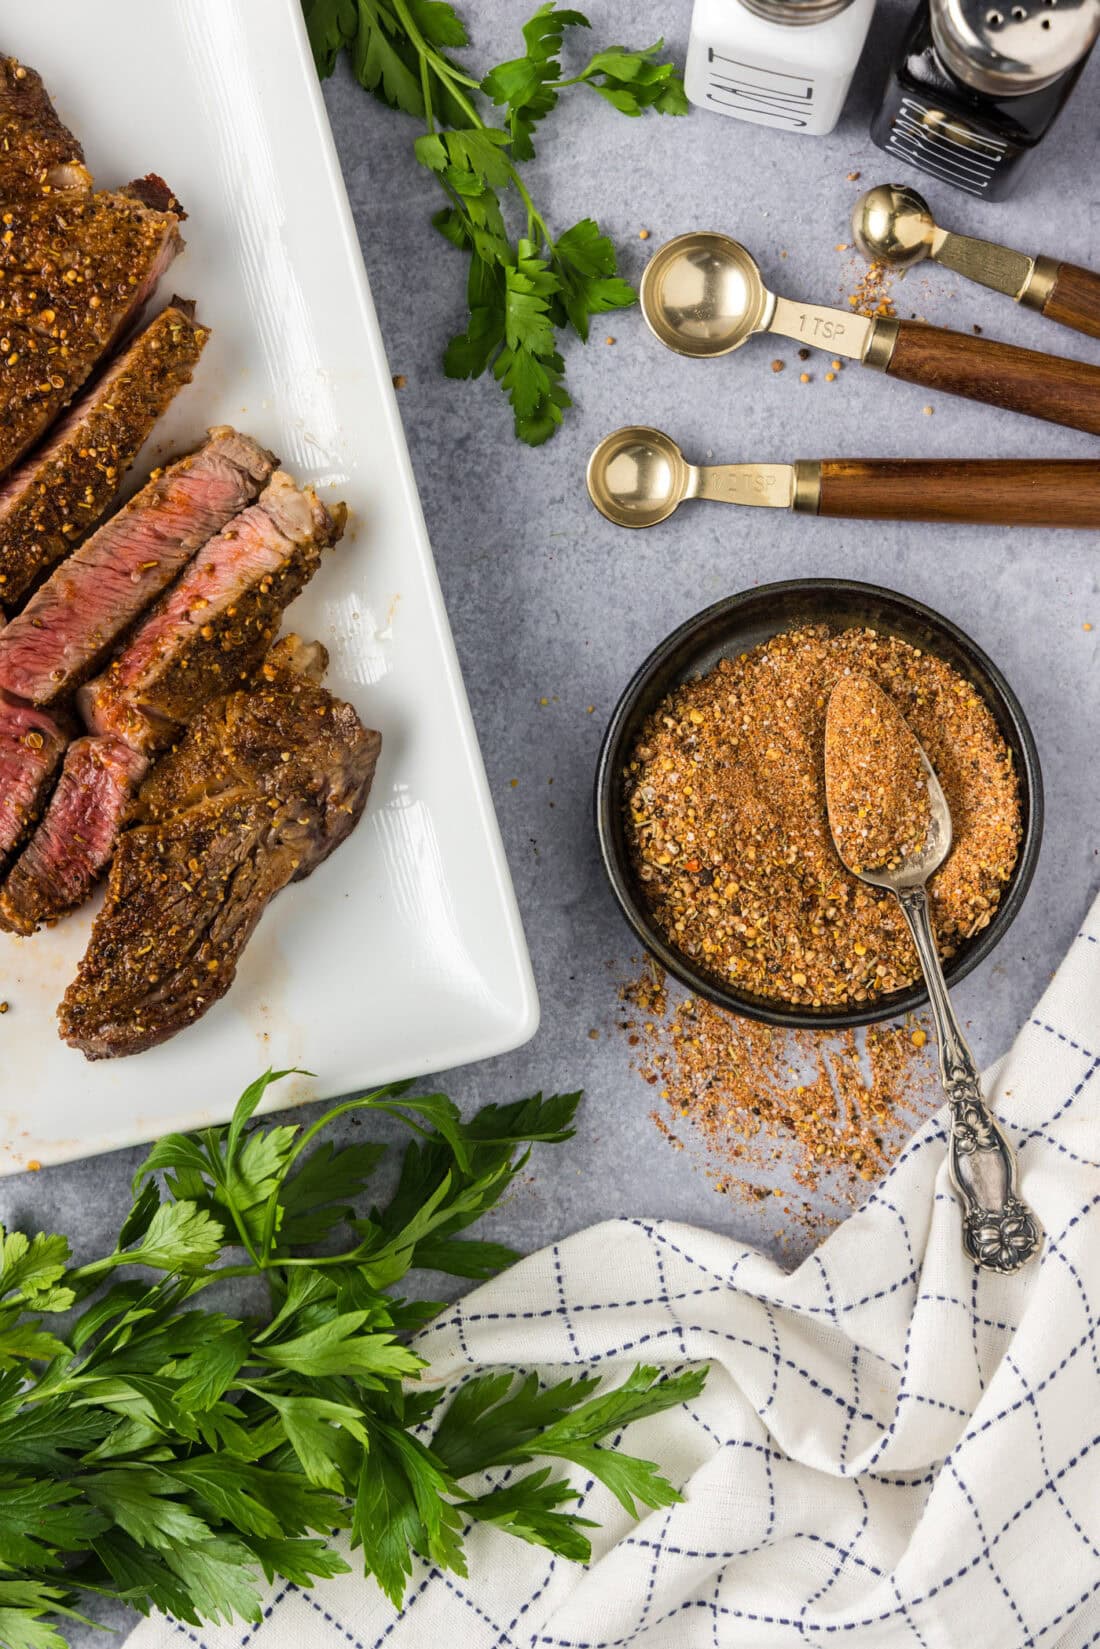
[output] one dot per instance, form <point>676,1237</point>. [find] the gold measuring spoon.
<point>893,224</point>
<point>701,294</point>
<point>1000,1233</point>
<point>639,476</point>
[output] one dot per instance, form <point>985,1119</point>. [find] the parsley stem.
<point>246,1241</point>
<point>384,1097</point>
<point>533,218</point>
<point>444,71</point>
<point>426,93</point>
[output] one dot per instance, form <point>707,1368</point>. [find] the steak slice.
<point>57,495</point>
<point>89,600</point>
<point>211,630</point>
<point>74,841</point>
<point>262,787</point>
<point>32,744</point>
<point>74,271</point>
<point>38,155</point>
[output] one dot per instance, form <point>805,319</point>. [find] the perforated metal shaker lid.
<point>1008,47</point>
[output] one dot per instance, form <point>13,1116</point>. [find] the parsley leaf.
<point>180,1237</point>
<point>336,1347</point>
<point>585,263</point>
<point>529,1507</point>
<point>491,1423</point>
<point>31,1265</point>
<point>635,81</point>
<point>528,85</point>
<point>331,25</point>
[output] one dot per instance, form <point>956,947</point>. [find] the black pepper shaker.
<point>979,83</point>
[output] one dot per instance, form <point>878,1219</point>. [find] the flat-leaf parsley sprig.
<point>160,1451</point>
<point>522,291</point>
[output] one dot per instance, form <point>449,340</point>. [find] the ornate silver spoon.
<point>1000,1233</point>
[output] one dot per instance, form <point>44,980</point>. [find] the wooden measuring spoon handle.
<point>1021,492</point>
<point>1020,380</point>
<point>1075,299</point>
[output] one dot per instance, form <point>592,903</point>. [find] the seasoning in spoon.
<point>875,784</point>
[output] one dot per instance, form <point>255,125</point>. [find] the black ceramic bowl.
<point>734,626</point>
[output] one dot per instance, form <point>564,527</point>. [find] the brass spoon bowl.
<point>702,294</point>
<point>638,476</point>
<point>893,224</point>
<point>1000,1233</point>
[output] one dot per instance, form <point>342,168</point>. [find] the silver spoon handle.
<point>1000,1232</point>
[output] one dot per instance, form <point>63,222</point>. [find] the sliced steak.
<point>38,155</point>
<point>263,786</point>
<point>74,271</point>
<point>72,846</point>
<point>211,630</point>
<point>58,494</point>
<point>32,744</point>
<point>68,625</point>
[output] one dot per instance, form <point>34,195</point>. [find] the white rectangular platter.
<point>404,953</point>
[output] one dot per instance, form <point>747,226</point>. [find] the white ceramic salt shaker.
<point>781,63</point>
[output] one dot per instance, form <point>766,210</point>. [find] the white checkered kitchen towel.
<point>892,1448</point>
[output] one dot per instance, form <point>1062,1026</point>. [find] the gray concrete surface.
<point>549,602</point>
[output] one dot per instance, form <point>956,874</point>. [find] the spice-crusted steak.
<point>31,746</point>
<point>75,839</point>
<point>58,494</point>
<point>38,155</point>
<point>263,786</point>
<point>211,630</point>
<point>87,602</point>
<point>74,271</point>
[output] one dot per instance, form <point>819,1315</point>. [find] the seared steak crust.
<point>74,841</point>
<point>32,744</point>
<point>74,271</point>
<point>209,633</point>
<point>262,787</point>
<point>58,494</point>
<point>68,625</point>
<point>38,155</point>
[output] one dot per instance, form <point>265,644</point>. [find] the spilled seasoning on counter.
<point>828,1111</point>
<point>871,294</point>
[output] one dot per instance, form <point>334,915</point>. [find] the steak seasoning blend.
<point>781,63</point>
